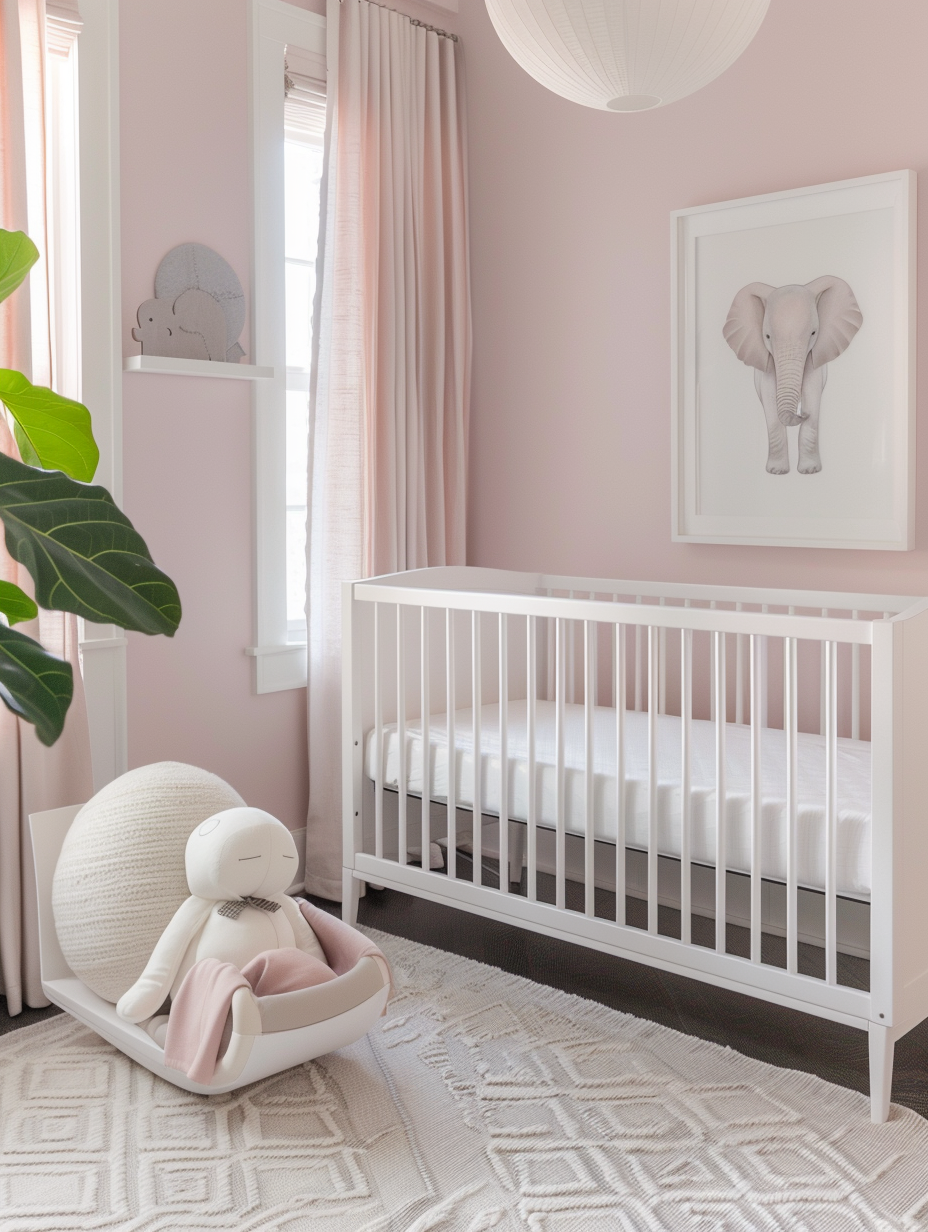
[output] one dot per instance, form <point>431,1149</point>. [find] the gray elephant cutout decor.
<point>191,327</point>
<point>789,335</point>
<point>199,308</point>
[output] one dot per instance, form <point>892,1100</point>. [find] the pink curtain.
<point>32,777</point>
<point>392,377</point>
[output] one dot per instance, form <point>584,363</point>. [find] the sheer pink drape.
<point>392,377</point>
<point>32,777</point>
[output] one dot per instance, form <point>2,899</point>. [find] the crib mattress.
<point>853,774</point>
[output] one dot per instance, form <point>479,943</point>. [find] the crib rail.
<point>784,666</point>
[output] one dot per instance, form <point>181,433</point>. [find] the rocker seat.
<point>269,1034</point>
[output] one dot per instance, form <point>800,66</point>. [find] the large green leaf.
<point>15,604</point>
<point>18,254</point>
<point>83,553</point>
<point>34,684</point>
<point>51,431</point>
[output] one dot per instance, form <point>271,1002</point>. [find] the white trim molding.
<point>279,667</point>
<point>103,647</point>
<point>279,662</point>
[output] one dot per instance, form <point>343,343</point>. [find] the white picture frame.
<point>733,479</point>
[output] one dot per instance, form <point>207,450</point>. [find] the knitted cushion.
<point>120,876</point>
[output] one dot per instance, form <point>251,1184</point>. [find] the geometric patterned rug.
<point>482,1101</point>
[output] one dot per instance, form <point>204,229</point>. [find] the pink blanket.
<point>204,999</point>
<point>201,1007</point>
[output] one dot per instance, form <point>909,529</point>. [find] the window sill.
<point>279,667</point>
<point>167,365</point>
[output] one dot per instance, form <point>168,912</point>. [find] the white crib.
<point>639,735</point>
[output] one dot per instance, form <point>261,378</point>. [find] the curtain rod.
<point>414,21</point>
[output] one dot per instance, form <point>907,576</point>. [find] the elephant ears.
<point>839,318</point>
<point>744,329</point>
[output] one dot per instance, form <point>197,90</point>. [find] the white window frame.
<point>279,662</point>
<point>103,647</point>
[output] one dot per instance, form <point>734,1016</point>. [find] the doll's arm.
<point>306,939</point>
<point>153,985</point>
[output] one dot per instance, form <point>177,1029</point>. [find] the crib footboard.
<point>724,783</point>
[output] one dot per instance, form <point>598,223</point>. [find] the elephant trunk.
<point>789,370</point>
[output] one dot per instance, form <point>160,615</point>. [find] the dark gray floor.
<point>755,1028</point>
<point>25,1019</point>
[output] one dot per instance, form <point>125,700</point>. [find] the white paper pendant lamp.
<point>625,55</point>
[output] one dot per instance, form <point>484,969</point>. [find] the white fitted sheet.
<point>853,844</point>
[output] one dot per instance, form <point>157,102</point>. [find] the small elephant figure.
<point>192,327</point>
<point>789,335</point>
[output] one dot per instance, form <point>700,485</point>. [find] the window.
<point>304,131</point>
<point>62,180</point>
<point>288,78</point>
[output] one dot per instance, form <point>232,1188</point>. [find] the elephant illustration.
<point>191,327</point>
<point>789,335</point>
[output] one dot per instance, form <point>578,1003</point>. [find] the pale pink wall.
<point>571,421</point>
<point>187,441</point>
<point>570,463</point>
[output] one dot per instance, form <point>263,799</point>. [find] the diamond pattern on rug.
<point>481,1102</point>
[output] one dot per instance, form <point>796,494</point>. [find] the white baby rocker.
<point>239,863</point>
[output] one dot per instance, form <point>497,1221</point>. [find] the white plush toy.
<point>239,863</point>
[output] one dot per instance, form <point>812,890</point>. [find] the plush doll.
<point>239,863</point>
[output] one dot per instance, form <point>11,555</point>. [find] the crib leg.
<point>517,834</point>
<point>881,1072</point>
<point>351,894</point>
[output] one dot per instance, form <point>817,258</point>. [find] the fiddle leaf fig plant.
<point>51,431</point>
<point>82,552</point>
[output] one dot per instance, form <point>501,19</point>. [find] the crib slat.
<point>550,639</point>
<point>571,648</point>
<point>739,672</point>
<point>721,908</point>
<point>712,605</point>
<point>560,829</point>
<point>855,686</point>
<point>822,683</point>
<point>757,692</point>
<point>653,669</point>
<point>378,737</point>
<point>504,877</point>
<point>532,693</point>
<point>594,659</point>
<point>452,858</point>
<point>403,779</point>
<point>618,668</point>
<point>662,670</point>
<point>615,647</point>
<point>765,677</point>
<point>589,633</point>
<point>424,711</point>
<point>791,728</point>
<point>686,716</point>
<point>638,698</point>
<point>476,664</point>
<point>831,810</point>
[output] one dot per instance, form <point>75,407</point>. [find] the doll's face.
<point>240,852</point>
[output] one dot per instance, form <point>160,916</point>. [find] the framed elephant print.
<point>793,342</point>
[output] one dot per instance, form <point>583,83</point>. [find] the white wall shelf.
<point>169,366</point>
